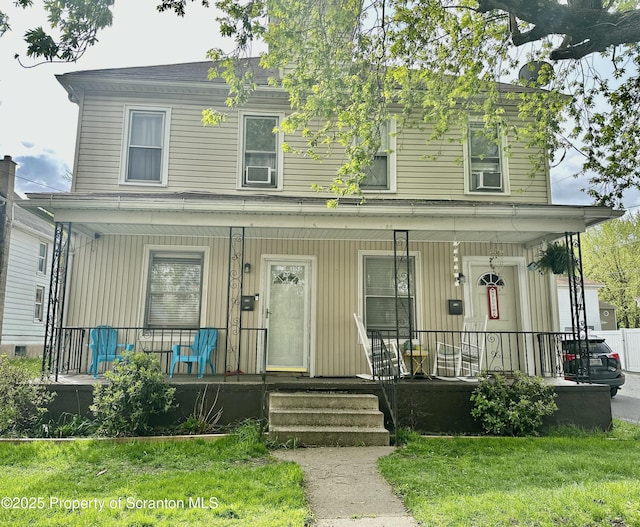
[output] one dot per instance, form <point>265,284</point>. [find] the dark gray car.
<point>602,365</point>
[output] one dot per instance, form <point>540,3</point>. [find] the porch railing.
<point>386,371</point>
<point>70,352</point>
<point>532,353</point>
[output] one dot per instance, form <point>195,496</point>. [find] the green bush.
<point>23,400</point>
<point>135,391</point>
<point>512,407</point>
<point>70,425</point>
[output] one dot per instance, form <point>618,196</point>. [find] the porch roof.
<point>267,216</point>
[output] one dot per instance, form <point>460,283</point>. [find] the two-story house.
<point>181,226</point>
<point>27,241</point>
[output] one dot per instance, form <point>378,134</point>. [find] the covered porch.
<point>280,278</point>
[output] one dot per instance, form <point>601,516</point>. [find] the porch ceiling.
<point>211,215</point>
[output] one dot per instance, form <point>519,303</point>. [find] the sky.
<point>38,122</point>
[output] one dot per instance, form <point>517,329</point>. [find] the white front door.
<point>503,298</point>
<point>287,312</point>
<point>496,296</point>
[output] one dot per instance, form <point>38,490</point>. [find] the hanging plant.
<point>557,258</point>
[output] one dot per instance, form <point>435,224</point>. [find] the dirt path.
<point>344,487</point>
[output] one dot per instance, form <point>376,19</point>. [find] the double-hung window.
<point>381,174</point>
<point>42,258</point>
<point>174,290</point>
<point>260,153</point>
<point>384,276</point>
<point>38,308</point>
<point>146,146</point>
<point>486,171</point>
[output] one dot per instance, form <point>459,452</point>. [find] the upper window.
<point>42,258</point>
<point>261,160</point>
<point>174,290</point>
<point>145,155</point>
<point>486,171</point>
<point>381,174</point>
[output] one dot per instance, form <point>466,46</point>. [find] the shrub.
<point>70,425</point>
<point>205,416</point>
<point>135,391</point>
<point>512,407</point>
<point>23,400</point>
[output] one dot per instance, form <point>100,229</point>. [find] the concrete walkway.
<point>344,487</point>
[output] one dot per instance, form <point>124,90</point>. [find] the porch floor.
<point>285,379</point>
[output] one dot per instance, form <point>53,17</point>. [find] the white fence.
<point>627,343</point>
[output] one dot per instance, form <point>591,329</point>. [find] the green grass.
<point>32,365</point>
<point>576,480</point>
<point>229,482</point>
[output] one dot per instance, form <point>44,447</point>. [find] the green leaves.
<point>514,407</point>
<point>74,25</point>
<point>135,391</point>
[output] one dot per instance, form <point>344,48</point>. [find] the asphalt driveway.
<point>626,405</point>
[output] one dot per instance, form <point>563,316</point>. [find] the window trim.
<point>392,169</point>
<point>176,250</point>
<point>504,165</point>
<point>124,154</point>
<point>240,184</point>
<point>417,278</point>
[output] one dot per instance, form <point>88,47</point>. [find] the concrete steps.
<point>326,419</point>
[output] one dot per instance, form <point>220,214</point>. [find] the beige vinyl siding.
<point>110,289</point>
<point>206,158</point>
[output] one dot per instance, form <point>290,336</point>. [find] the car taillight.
<point>614,355</point>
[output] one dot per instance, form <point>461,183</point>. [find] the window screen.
<point>174,291</point>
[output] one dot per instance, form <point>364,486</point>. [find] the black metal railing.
<point>386,369</point>
<point>466,353</point>
<point>71,353</point>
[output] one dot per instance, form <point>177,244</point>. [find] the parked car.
<point>603,364</point>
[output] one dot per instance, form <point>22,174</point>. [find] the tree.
<point>611,255</point>
<point>348,64</point>
<point>74,25</point>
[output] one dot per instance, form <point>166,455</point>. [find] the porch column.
<point>234,297</point>
<point>56,299</point>
<point>579,327</point>
<point>402,289</point>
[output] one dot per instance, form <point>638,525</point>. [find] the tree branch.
<point>586,30</point>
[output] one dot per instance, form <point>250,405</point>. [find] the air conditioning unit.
<point>488,180</point>
<point>258,175</point>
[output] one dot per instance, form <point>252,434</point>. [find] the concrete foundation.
<point>427,406</point>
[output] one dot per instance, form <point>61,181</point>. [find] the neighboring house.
<point>183,226</point>
<point>592,304</point>
<point>27,279</point>
<point>608,318</point>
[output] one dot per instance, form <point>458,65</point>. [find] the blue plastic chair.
<point>204,342</point>
<point>104,347</point>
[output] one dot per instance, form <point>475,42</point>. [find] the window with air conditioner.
<point>485,167</point>
<point>260,152</point>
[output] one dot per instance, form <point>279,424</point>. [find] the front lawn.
<point>590,480</point>
<point>231,481</point>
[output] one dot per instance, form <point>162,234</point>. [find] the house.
<point>179,226</point>
<point>28,239</point>
<point>592,304</point>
